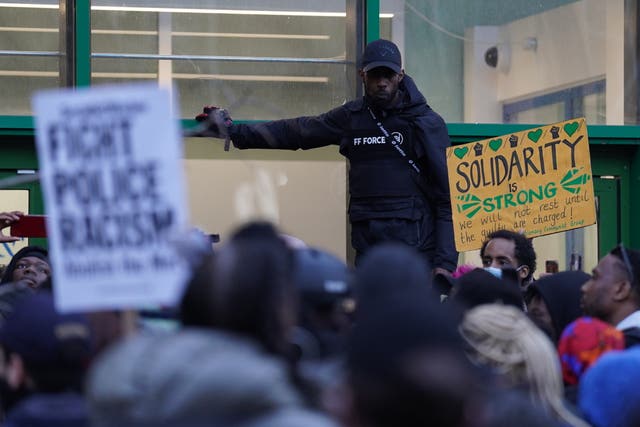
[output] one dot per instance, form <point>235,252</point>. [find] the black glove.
<point>215,122</point>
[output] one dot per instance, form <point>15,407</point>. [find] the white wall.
<point>571,50</point>
<point>615,62</point>
<point>480,81</point>
<point>303,193</point>
<point>575,44</point>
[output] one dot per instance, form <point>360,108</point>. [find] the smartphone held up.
<point>29,226</point>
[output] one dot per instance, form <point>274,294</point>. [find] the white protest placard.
<point>112,178</point>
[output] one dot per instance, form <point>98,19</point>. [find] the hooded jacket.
<point>561,293</point>
<point>190,378</point>
<point>32,251</point>
<point>424,137</point>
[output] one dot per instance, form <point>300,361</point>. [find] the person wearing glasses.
<point>613,292</point>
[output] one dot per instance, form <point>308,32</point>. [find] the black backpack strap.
<point>410,157</point>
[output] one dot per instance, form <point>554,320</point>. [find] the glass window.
<point>594,108</point>
<point>29,52</point>
<point>521,61</point>
<point>260,59</point>
<point>586,100</point>
<point>472,58</point>
<point>543,114</point>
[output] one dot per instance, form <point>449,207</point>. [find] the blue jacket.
<point>49,410</point>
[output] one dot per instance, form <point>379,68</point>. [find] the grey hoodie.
<point>193,377</point>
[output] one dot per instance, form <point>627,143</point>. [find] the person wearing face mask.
<point>508,249</point>
<point>480,287</point>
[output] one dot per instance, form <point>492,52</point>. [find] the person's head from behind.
<point>381,72</point>
<point>323,284</point>
<point>387,269</point>
<point>29,266</point>
<point>479,287</point>
<point>246,287</point>
<point>613,292</point>
<point>508,249</point>
<point>45,351</point>
<point>406,365</point>
<point>503,339</point>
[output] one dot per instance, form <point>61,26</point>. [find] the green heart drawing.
<point>461,152</point>
<point>571,128</point>
<point>535,135</point>
<point>494,144</point>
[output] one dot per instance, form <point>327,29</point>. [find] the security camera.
<point>499,57</point>
<point>491,56</point>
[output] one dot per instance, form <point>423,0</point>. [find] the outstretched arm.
<point>293,134</point>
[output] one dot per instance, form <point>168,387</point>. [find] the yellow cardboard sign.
<point>537,181</point>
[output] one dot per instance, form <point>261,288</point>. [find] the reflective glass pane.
<point>543,114</point>
<point>522,61</point>
<point>29,52</point>
<point>473,58</point>
<point>595,108</point>
<point>260,59</point>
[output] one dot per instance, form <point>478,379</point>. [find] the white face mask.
<point>498,271</point>
<point>495,271</point>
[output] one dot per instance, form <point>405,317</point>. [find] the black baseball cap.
<point>479,287</point>
<point>320,277</point>
<point>381,53</point>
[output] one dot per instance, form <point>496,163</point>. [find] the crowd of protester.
<point>270,334</point>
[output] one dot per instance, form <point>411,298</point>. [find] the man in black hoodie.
<point>396,146</point>
<point>553,301</point>
<point>29,266</point>
<point>28,271</point>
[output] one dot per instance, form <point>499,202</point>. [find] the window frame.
<point>16,132</point>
